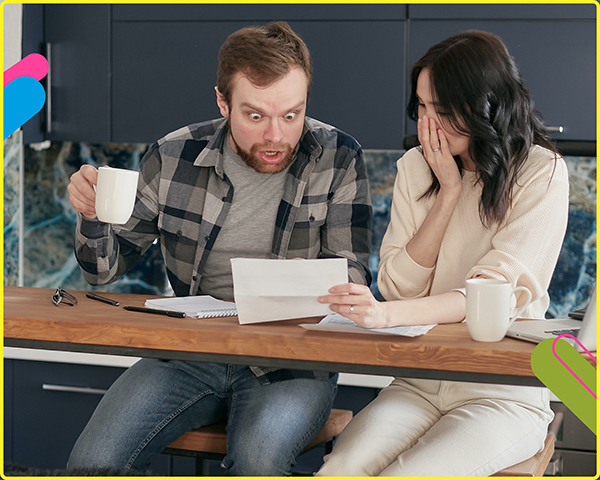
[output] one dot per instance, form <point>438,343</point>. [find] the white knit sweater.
<point>523,250</point>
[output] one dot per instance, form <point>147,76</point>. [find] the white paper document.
<point>269,289</point>
<point>337,323</point>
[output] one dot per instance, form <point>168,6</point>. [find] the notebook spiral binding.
<point>232,312</point>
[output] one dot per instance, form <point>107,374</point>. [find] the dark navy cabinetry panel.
<point>258,13</point>
<point>8,410</point>
<point>51,404</point>
<point>164,75</point>
<point>132,73</point>
<point>502,11</point>
<point>47,421</point>
<point>575,447</point>
<point>556,57</point>
<point>47,405</point>
<point>78,83</point>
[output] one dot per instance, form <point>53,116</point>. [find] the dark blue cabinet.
<point>503,11</point>
<point>77,46</point>
<point>164,72</point>
<point>51,404</point>
<point>132,73</point>
<point>8,410</point>
<point>47,405</point>
<point>556,57</point>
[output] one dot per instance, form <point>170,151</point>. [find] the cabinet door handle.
<point>555,467</point>
<point>552,129</point>
<point>68,388</point>
<point>49,89</point>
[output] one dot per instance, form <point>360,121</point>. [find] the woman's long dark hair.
<point>479,92</point>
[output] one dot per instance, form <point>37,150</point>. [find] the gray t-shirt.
<point>249,226</point>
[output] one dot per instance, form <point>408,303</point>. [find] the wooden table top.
<point>447,351</point>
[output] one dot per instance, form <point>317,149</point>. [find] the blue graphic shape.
<point>23,98</point>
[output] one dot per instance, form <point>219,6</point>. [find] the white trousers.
<point>440,428</point>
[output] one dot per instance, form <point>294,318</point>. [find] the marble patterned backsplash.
<point>12,218</point>
<point>49,221</point>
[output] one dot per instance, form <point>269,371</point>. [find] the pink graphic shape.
<point>33,65</point>
<point>567,367</point>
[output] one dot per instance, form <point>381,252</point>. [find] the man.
<point>265,182</point>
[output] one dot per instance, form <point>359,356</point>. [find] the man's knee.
<point>104,457</point>
<point>259,461</point>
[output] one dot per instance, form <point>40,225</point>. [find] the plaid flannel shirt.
<point>184,196</point>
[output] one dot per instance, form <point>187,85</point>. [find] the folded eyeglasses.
<point>64,297</point>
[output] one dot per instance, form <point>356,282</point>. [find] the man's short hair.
<point>263,54</point>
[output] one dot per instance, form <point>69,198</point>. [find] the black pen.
<point>169,313</point>
<point>93,296</point>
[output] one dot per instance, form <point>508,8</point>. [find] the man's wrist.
<point>89,227</point>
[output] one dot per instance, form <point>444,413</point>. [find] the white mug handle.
<point>523,307</point>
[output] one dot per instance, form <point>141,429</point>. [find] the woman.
<point>485,195</point>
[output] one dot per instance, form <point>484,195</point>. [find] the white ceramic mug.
<point>489,308</point>
<point>116,190</point>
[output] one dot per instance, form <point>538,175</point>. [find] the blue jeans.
<point>154,402</point>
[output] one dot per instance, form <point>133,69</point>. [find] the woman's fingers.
<point>353,288</point>
<point>433,136</point>
<point>340,299</point>
<point>348,294</point>
<point>428,133</point>
<point>444,147</point>
<point>353,312</point>
<point>357,303</point>
<point>423,132</point>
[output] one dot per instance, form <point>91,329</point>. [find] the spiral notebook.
<point>196,306</point>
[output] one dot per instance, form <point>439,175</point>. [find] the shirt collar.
<point>212,154</point>
<point>309,142</point>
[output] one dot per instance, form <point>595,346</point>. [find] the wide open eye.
<point>255,116</point>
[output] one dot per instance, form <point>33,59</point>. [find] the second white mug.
<point>116,190</point>
<point>489,308</point>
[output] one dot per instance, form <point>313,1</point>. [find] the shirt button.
<point>194,278</point>
<point>311,219</point>
<point>179,233</point>
<point>207,238</point>
<point>224,199</point>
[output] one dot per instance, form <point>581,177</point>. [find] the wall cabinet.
<point>174,85</point>
<point>132,73</point>
<point>555,53</point>
<point>152,68</point>
<point>77,41</point>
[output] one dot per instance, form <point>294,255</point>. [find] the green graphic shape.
<point>575,388</point>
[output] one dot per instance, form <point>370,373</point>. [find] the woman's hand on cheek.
<point>357,303</point>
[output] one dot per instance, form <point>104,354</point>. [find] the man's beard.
<point>252,159</point>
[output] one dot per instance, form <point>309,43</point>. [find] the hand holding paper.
<point>357,303</point>
<point>268,290</point>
